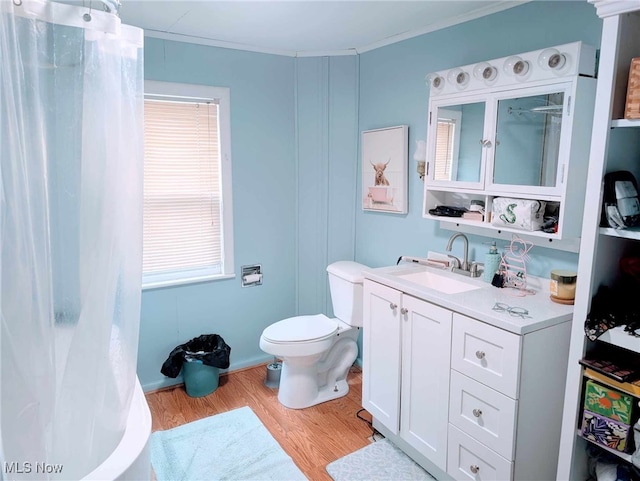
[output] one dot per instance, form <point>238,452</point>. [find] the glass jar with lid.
<point>562,286</point>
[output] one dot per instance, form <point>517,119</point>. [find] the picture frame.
<point>384,169</point>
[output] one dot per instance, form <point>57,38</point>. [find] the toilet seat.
<point>301,329</point>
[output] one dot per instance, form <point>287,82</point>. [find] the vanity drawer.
<point>483,413</point>
<point>487,354</point>
<point>468,459</point>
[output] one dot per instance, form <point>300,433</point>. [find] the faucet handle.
<point>456,261</point>
<point>477,268</point>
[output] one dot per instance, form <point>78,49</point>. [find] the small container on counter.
<point>562,286</point>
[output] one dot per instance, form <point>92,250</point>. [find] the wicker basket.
<point>632,106</point>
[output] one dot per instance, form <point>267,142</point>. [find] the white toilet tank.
<point>345,283</point>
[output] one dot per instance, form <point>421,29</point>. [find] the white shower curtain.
<point>71,103</point>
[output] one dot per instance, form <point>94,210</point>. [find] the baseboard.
<point>170,383</point>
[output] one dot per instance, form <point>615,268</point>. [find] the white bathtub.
<point>131,458</point>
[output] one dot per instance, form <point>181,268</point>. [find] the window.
<point>188,225</point>
<point>447,145</point>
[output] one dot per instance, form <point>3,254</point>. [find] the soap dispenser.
<point>491,262</point>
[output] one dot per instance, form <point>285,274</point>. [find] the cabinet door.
<point>457,143</point>
<point>532,140</point>
<point>426,341</point>
<point>381,356</point>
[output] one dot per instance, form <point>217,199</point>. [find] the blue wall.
<point>295,127</point>
<point>327,145</point>
<point>294,144</point>
<point>264,208</point>
<point>393,92</point>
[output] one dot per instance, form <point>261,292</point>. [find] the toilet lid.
<point>301,329</point>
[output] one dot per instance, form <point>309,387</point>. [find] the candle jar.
<point>562,286</point>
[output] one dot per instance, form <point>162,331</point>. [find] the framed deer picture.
<point>384,169</point>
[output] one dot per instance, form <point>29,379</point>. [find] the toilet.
<point>317,351</point>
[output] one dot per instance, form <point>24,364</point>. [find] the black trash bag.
<point>208,348</point>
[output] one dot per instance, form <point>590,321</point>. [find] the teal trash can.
<point>199,379</point>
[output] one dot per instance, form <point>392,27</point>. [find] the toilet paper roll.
<point>252,278</point>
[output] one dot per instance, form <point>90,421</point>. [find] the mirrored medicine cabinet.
<point>512,127</point>
<point>514,139</point>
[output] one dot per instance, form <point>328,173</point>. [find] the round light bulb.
<point>435,81</point>
<point>458,77</point>
<point>484,71</point>
<point>516,66</point>
<point>462,79</point>
<point>552,59</point>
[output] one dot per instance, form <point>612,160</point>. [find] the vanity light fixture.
<point>484,71</point>
<point>458,77</point>
<point>420,156</point>
<point>435,81</point>
<point>552,59</point>
<point>514,65</point>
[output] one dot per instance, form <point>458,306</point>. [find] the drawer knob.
<point>474,468</point>
<point>393,306</point>
<point>480,354</point>
<point>404,310</point>
<point>477,412</point>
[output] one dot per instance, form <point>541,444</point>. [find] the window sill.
<point>148,285</point>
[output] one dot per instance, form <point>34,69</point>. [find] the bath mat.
<point>379,461</point>
<point>232,446</point>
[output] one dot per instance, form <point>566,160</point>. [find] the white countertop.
<point>479,303</point>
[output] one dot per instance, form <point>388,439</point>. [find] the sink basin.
<point>439,282</point>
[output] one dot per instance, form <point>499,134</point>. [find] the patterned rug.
<point>379,461</point>
<point>230,446</point>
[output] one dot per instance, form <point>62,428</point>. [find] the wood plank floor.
<point>313,437</point>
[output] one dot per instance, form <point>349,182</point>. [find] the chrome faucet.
<point>464,265</point>
<point>473,269</point>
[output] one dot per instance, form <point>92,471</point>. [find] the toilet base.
<point>308,381</point>
<point>300,399</point>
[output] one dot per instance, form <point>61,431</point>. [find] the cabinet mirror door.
<point>527,142</point>
<point>456,146</point>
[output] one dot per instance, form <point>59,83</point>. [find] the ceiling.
<point>300,28</point>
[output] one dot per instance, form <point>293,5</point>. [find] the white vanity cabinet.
<point>505,402</point>
<point>406,370</point>
<point>464,398</point>
<point>521,136</point>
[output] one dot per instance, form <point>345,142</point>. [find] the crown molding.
<point>475,14</point>
<point>498,7</point>
<point>177,37</point>
<point>327,53</point>
<point>608,8</point>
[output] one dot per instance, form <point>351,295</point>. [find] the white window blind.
<point>182,188</point>
<point>444,149</point>
<point>188,214</point>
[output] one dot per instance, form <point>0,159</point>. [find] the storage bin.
<point>522,214</point>
<point>199,379</point>
<point>605,431</point>
<point>608,402</point>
